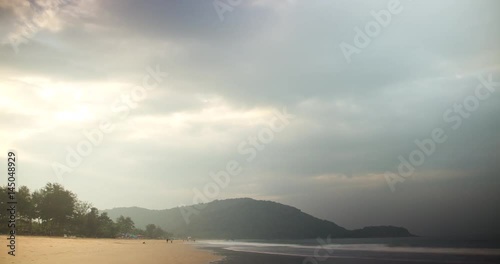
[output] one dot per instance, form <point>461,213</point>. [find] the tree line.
<point>55,211</point>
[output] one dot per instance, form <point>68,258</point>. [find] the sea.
<point>349,251</point>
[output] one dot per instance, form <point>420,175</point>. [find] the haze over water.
<point>383,250</point>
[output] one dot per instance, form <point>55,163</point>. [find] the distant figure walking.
<point>167,240</point>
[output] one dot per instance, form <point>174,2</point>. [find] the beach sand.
<point>45,250</point>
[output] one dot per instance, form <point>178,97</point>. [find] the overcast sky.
<point>66,66</point>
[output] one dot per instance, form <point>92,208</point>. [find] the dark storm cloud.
<point>352,121</point>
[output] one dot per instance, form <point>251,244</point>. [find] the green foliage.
<point>25,210</point>
<point>3,204</point>
<point>54,210</point>
<point>246,219</point>
<point>106,227</point>
<point>138,231</point>
<point>56,205</point>
<point>125,224</point>
<point>153,231</point>
<point>234,219</point>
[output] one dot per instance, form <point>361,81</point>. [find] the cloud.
<point>224,81</point>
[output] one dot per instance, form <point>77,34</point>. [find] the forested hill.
<point>53,210</point>
<point>247,219</point>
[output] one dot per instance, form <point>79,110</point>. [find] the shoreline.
<point>307,253</point>
<point>361,257</point>
<point>60,250</point>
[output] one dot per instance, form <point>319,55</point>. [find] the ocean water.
<point>340,251</point>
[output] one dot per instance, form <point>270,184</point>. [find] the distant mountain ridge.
<point>246,218</point>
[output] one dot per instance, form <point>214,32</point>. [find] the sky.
<point>315,104</point>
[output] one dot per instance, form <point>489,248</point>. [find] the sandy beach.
<point>45,250</point>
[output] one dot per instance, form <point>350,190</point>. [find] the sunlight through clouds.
<point>79,63</point>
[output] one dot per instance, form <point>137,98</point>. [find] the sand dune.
<point>44,250</point>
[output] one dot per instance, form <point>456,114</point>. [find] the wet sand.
<point>45,250</point>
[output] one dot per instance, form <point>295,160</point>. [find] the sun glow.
<point>79,115</point>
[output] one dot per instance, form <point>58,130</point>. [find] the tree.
<point>107,228</point>
<point>153,231</point>
<point>92,222</point>
<point>150,230</point>
<point>3,204</point>
<point>125,224</point>
<point>25,209</point>
<point>159,233</point>
<point>55,206</point>
<point>138,231</point>
<point>79,219</point>
<point>53,210</point>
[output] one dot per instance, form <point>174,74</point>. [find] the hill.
<point>246,218</point>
